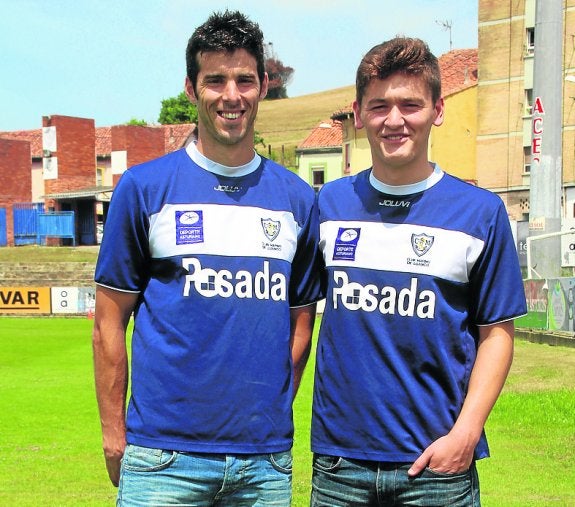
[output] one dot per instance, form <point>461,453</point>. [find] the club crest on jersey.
<point>189,227</point>
<point>346,244</point>
<point>271,228</point>
<point>421,243</point>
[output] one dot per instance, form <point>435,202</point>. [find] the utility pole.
<point>546,145</point>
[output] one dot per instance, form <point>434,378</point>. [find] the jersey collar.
<point>412,188</point>
<point>222,170</point>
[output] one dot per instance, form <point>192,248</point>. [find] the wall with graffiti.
<point>550,303</point>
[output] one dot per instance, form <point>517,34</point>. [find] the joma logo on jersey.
<point>394,204</point>
<point>243,284</point>
<point>227,188</point>
<point>407,301</point>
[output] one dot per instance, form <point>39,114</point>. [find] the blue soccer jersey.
<point>411,272</point>
<point>217,262</point>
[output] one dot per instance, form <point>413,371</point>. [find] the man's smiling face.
<point>227,94</point>
<point>398,113</point>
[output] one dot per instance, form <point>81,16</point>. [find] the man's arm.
<point>113,310</point>
<point>453,453</point>
<point>302,321</point>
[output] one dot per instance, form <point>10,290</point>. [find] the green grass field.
<point>50,435</point>
<point>35,253</point>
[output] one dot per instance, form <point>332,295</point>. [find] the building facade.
<point>505,97</point>
<point>452,145</point>
<point>319,154</point>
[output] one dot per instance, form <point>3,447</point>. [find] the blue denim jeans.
<point>153,477</point>
<point>341,482</point>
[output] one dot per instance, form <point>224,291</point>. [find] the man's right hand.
<point>113,464</point>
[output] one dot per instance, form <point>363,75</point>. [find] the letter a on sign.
<point>538,106</point>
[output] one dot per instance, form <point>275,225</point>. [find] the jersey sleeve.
<point>124,251</point>
<point>304,281</point>
<point>497,290</point>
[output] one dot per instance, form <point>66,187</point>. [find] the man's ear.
<point>439,112</point>
<point>190,92</point>
<point>356,117</point>
<point>264,86</point>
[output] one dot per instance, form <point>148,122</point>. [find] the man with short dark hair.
<point>212,248</point>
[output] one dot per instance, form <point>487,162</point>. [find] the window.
<point>317,177</point>
<point>526,159</point>
<point>528,102</point>
<point>529,41</point>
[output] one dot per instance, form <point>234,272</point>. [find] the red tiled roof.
<point>176,137</point>
<point>34,137</point>
<point>103,141</point>
<point>342,114</point>
<point>327,134</point>
<point>458,70</point>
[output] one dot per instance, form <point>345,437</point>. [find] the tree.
<point>279,74</point>
<point>178,110</point>
<point>258,139</point>
<point>135,121</point>
<point>279,77</point>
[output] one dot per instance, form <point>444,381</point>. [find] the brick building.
<point>16,181</point>
<point>72,165</point>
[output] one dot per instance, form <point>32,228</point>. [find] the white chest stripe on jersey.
<point>194,229</point>
<point>406,248</point>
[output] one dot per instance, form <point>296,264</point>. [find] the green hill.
<point>287,122</point>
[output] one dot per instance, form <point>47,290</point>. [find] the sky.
<point>116,60</point>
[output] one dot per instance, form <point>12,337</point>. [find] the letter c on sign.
<point>538,125</point>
